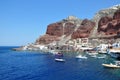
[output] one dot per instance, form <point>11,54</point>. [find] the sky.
<point>23,21</point>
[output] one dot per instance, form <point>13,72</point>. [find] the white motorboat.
<point>102,51</point>
<point>81,57</point>
<point>92,53</point>
<point>53,51</point>
<point>59,60</point>
<point>111,65</point>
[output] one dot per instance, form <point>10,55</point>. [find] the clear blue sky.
<point>23,21</point>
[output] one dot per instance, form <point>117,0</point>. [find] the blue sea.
<point>25,65</point>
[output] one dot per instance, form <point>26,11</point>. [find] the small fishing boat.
<point>111,65</point>
<point>81,57</point>
<point>59,60</point>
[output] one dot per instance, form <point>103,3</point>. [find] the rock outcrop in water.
<point>106,22</point>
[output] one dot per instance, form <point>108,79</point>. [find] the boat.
<point>59,54</point>
<point>59,60</point>
<point>111,65</point>
<point>85,48</point>
<point>81,57</point>
<point>102,48</point>
<point>115,53</point>
<point>92,53</point>
<point>102,51</point>
<point>114,50</point>
<point>53,51</point>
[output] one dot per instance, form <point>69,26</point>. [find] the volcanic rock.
<point>55,29</point>
<point>61,28</point>
<point>84,29</point>
<point>110,25</point>
<point>60,31</point>
<point>106,22</point>
<point>46,39</point>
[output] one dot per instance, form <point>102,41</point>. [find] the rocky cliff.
<point>46,39</point>
<point>84,29</point>
<point>110,25</point>
<point>106,22</point>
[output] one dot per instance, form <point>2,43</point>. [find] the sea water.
<point>26,65</point>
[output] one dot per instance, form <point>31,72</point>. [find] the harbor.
<point>60,40</point>
<point>91,47</point>
<point>33,65</point>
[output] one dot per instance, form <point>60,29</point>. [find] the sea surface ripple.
<point>24,65</point>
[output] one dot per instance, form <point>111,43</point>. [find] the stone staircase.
<point>94,31</point>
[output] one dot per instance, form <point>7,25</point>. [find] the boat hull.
<point>110,66</point>
<point>59,60</point>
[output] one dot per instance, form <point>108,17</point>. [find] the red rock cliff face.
<point>69,28</point>
<point>46,39</point>
<point>117,14</point>
<point>108,25</point>
<point>55,29</point>
<point>84,29</point>
<point>59,29</point>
